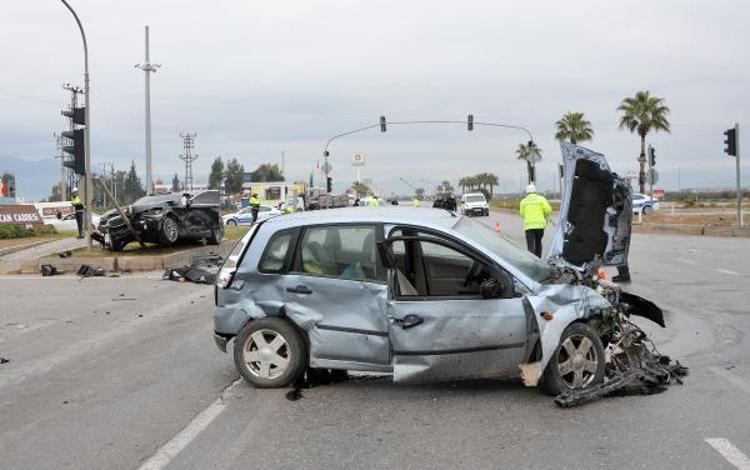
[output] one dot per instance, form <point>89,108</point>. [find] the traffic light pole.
<point>739,189</point>
<point>87,187</point>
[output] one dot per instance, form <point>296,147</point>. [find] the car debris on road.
<point>191,274</point>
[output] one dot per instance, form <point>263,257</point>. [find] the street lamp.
<point>87,186</point>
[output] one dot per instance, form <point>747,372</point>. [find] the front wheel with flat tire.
<point>270,353</point>
<point>577,363</point>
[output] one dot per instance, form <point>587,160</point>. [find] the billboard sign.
<point>25,214</point>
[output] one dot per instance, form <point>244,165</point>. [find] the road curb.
<point>119,263</point>
<point>693,229</point>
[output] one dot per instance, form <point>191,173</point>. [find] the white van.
<point>474,204</point>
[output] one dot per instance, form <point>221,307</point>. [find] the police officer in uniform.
<point>75,199</point>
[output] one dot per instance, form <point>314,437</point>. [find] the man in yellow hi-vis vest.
<point>75,199</point>
<point>535,210</point>
<point>254,207</point>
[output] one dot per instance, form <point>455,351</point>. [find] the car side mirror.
<point>499,286</point>
<point>386,254</point>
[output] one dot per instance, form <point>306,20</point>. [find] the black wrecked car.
<point>164,220</point>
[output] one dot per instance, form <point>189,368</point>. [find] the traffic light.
<point>470,122</point>
<point>382,123</point>
<point>78,163</point>
<point>76,136</point>
<point>329,184</point>
<point>651,156</point>
<point>730,142</point>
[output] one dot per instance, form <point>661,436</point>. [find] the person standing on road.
<point>254,206</point>
<point>535,210</point>
<point>416,202</point>
<point>373,202</point>
<point>75,199</point>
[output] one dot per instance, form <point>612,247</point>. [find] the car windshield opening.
<point>475,199</point>
<point>506,249</point>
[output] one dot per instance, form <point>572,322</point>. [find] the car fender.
<point>567,304</point>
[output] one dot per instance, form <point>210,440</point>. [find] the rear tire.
<point>577,363</point>
<point>270,353</point>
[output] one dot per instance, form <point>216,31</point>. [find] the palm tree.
<point>642,114</point>
<point>574,128</point>
<point>492,181</point>
<point>526,152</point>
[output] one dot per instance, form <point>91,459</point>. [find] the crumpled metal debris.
<point>635,368</point>
<point>88,271</point>
<point>191,274</point>
<point>49,270</point>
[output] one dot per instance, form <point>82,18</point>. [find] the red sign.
<point>19,215</point>
<point>659,193</point>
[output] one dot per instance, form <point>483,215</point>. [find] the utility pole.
<point>88,184</point>
<point>188,144</point>
<point>148,67</point>
<point>283,164</point>
<point>737,161</point>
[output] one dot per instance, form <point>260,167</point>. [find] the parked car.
<point>644,203</point>
<point>426,295</point>
<point>67,222</point>
<point>245,216</point>
<point>474,204</point>
<point>164,220</point>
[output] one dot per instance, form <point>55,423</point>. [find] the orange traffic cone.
<point>497,226</point>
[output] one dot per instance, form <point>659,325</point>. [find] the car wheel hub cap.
<point>266,354</point>
<point>578,362</point>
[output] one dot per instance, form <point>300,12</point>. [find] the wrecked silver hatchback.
<point>426,295</point>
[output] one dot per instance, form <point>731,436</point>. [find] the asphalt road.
<point>123,374</point>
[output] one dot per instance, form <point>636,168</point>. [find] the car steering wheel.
<point>474,271</point>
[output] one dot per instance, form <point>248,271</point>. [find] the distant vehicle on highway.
<point>67,222</point>
<point>474,204</point>
<point>245,216</point>
<point>643,203</point>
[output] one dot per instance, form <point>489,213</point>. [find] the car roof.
<point>390,214</point>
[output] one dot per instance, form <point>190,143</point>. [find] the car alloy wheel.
<point>169,227</point>
<point>577,362</point>
<point>266,354</point>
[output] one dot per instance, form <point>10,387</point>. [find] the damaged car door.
<point>595,213</point>
<point>338,288</point>
<point>453,314</point>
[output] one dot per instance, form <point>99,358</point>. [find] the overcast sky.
<point>255,78</point>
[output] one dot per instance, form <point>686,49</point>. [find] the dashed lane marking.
<point>687,261</point>
<point>731,453</point>
<point>182,439</point>
<point>732,378</point>
<point>726,271</point>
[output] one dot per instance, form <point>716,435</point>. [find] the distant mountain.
<point>34,178</point>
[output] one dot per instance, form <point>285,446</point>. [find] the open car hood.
<point>595,212</point>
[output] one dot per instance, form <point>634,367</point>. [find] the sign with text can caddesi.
<point>358,159</point>
<point>25,214</point>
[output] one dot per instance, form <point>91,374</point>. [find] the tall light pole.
<point>87,187</point>
<point>148,67</point>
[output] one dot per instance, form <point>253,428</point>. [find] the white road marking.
<point>726,271</point>
<point>732,378</point>
<point>174,446</point>
<point>732,454</point>
<point>687,261</point>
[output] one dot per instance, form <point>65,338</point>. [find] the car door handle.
<point>300,289</point>
<point>409,321</point>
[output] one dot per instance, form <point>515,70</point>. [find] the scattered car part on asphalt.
<point>191,274</point>
<point>165,220</point>
<point>49,270</point>
<point>88,271</point>
<point>4,360</point>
